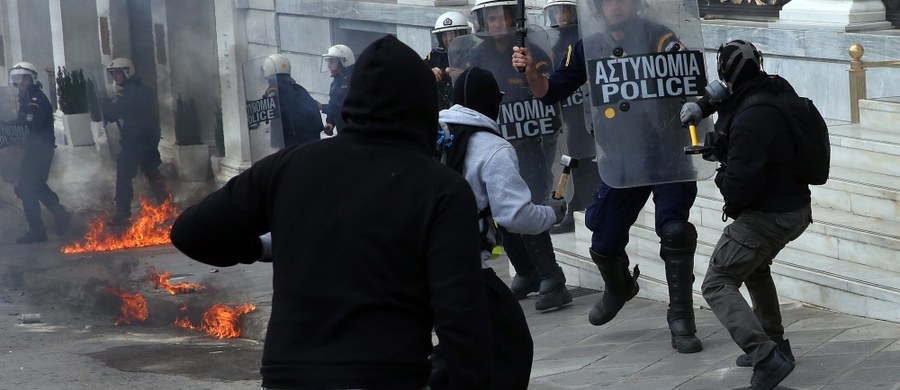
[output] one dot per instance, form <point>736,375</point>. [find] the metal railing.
<point>858,77</point>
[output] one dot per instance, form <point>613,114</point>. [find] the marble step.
<point>837,234</point>
<point>860,192</point>
<point>853,146</point>
<point>880,113</point>
<point>799,275</point>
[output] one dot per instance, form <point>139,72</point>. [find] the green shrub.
<point>187,123</point>
<point>72,91</point>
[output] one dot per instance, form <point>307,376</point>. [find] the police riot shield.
<point>263,110</point>
<point>528,124</point>
<point>101,89</point>
<point>643,62</point>
<point>579,141</point>
<point>12,132</point>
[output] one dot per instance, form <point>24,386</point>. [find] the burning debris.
<point>161,280</point>
<point>150,227</point>
<point>134,307</point>
<point>220,321</point>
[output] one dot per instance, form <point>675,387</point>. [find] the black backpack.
<point>811,144</point>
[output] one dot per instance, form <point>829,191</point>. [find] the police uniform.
<point>438,58</point>
<point>36,112</point>
<point>614,210</point>
<point>336,96</point>
<point>300,119</point>
<point>136,107</point>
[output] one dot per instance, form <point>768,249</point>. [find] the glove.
<point>558,205</point>
<point>266,253</point>
<point>719,143</point>
<point>329,129</point>
<point>691,112</point>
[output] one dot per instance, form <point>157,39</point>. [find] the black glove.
<point>265,254</point>
<point>558,205</point>
<point>719,144</point>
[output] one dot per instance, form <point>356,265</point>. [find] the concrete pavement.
<point>833,350</point>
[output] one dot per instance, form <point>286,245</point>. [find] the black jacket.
<point>136,111</point>
<point>36,113</point>
<point>300,119</point>
<point>337,94</point>
<point>374,243</point>
<point>760,149</point>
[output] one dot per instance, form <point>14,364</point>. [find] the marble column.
<point>231,49</point>
<point>839,15</point>
<point>164,96</point>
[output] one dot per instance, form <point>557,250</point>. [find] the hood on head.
<point>392,96</point>
<point>477,89</point>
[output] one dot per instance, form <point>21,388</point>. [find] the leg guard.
<point>553,292</point>
<point>679,240</point>
<point>621,286</point>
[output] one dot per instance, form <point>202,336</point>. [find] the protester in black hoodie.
<point>770,207</point>
<point>374,243</point>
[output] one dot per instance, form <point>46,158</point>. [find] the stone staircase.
<point>848,260</point>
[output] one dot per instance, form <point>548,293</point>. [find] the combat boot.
<point>521,285</point>
<point>553,292</point>
<point>680,276</point>
<point>784,346</point>
<point>768,373</point>
<point>31,237</point>
<point>61,220</point>
<point>620,287</point>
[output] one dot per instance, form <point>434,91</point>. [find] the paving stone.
<point>849,347</point>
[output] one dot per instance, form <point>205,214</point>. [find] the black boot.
<point>61,220</point>
<point>680,276</point>
<point>771,371</point>
<point>784,346</point>
<point>620,287</point>
<point>32,236</point>
<point>523,285</point>
<point>553,292</point>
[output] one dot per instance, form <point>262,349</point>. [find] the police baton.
<point>521,30</point>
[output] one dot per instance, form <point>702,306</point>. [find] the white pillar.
<point>164,98</point>
<point>840,15</point>
<point>231,48</point>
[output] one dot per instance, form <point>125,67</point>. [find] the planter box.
<point>191,162</point>
<point>78,129</point>
<point>101,141</point>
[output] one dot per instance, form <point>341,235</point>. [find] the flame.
<point>161,280</point>
<point>134,307</point>
<point>151,227</point>
<point>220,321</point>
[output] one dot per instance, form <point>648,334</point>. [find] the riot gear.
<point>447,27</point>
<point>121,64</point>
<point>736,60</point>
<point>21,70</point>
<point>560,13</point>
<point>494,17</point>
<point>275,64</point>
<point>340,53</point>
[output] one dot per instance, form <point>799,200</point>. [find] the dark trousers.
<point>614,210</point>
<point>530,252</point>
<point>743,255</point>
<point>33,188</point>
<point>132,157</point>
<point>513,346</point>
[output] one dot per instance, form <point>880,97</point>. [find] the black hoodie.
<point>374,243</point>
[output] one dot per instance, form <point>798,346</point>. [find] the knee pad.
<point>678,237</point>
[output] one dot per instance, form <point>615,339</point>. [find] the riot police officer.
<point>135,110</point>
<point>614,210</point>
<point>447,27</point>
<point>36,113</point>
<point>562,17</point>
<point>300,119</point>
<point>531,255</point>
<point>338,61</point>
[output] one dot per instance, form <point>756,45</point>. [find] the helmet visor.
<point>328,62</point>
<point>442,39</point>
<point>17,78</point>
<point>560,15</point>
<point>495,21</point>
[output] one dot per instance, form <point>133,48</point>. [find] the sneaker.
<point>32,237</point>
<point>784,346</point>
<point>771,371</point>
